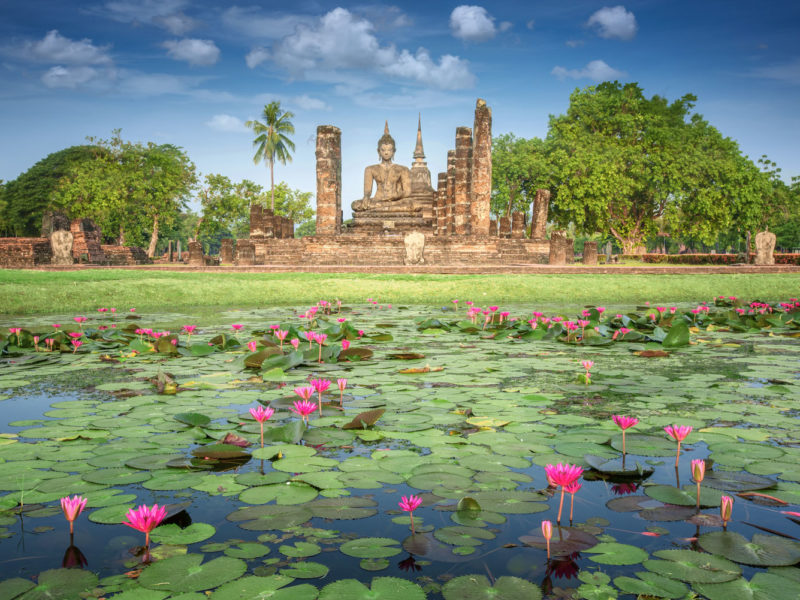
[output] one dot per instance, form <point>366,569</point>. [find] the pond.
<point>461,407</point>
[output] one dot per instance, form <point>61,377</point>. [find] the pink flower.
<point>56,325</point>
<point>563,474</point>
<point>77,344</point>
<point>573,488</point>
<point>493,308</point>
<point>236,327</point>
<point>261,413</point>
<point>102,310</point>
<point>342,383</point>
<point>189,329</point>
<point>341,320</point>
<point>321,337</point>
<point>624,422</point>
<point>304,392</point>
<point>725,509</point>
<point>145,519</point>
<point>281,334</point>
<point>174,341</point>
<point>133,310</point>
<point>72,507</point>
<point>410,503</point>
<point>345,344</point>
<point>698,469</point>
<point>274,327</point>
<point>75,335</point>
<point>320,385</point>
<point>113,310</point>
<point>360,333</point>
<point>15,330</point>
<point>547,532</point>
<point>295,343</point>
<point>252,345</point>
<point>601,309</point>
<point>678,433</point>
<point>80,320</point>
<point>303,408</point>
<point>455,301</point>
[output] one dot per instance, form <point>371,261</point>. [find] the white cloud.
<point>177,23</point>
<point>256,56</point>
<point>597,70</point>
<point>614,22</point>
<point>166,14</point>
<point>530,24</point>
<point>227,123</point>
<point>193,51</point>
<point>253,23</point>
<point>308,103</point>
<point>786,72</point>
<point>504,26</point>
<point>340,40</point>
<point>55,48</point>
<point>68,77</point>
<point>575,43</point>
<point>383,17</point>
<point>472,23</point>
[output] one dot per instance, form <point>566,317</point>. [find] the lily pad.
<point>478,587</point>
<point>762,551</point>
<point>173,534</point>
<point>370,547</point>
<point>736,481</point>
<point>188,573</point>
<point>650,584</point>
<point>692,567</point>
<point>382,588</point>
<point>272,588</point>
<point>612,553</point>
<point>55,584</point>
<point>763,586</point>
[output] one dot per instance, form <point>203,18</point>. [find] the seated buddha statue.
<point>392,182</point>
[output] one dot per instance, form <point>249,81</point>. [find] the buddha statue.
<point>392,182</point>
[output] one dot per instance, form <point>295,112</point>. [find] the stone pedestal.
<point>558,248</point>
<point>765,246</point>
<point>329,180</point>
<point>414,243</point>
<point>518,225</point>
<point>463,180</point>
<point>61,246</point>
<point>590,253</point>
<point>196,258</point>
<point>540,209</point>
<point>493,227</point>
<point>481,176</point>
<point>245,253</point>
<point>226,251</point>
<point>505,227</point>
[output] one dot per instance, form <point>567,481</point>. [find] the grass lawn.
<point>39,292</point>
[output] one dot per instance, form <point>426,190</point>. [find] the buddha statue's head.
<point>386,145</point>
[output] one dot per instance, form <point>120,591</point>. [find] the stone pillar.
<point>481,181</point>
<point>170,252</point>
<point>540,208</point>
<point>256,221</point>
<point>441,204</point>
<point>558,248</point>
<point>61,247</point>
<point>329,180</point>
<point>451,191</point>
<point>493,227</point>
<point>226,250</point>
<point>590,253</point>
<point>518,225</point>
<point>196,255</point>
<point>765,246</point>
<point>245,253</point>
<point>462,181</point>
<point>569,250</point>
<point>180,255</point>
<point>505,227</point>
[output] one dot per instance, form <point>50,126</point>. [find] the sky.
<point>191,73</point>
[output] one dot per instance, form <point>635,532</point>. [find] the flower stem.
<point>678,456</point>
<point>561,504</point>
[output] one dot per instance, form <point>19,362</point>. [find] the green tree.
<point>27,197</point>
<point>519,168</point>
<point>226,207</point>
<point>622,161</point>
<point>272,142</point>
<point>293,204</point>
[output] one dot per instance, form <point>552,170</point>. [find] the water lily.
<point>698,473</point>
<point>15,331</point>
<point>410,504</point>
<point>36,343</point>
<point>547,532</point>
<point>624,423</point>
<point>236,326</point>
<point>320,385</point>
<point>725,510</point>
<point>345,344</point>
<point>261,414</point>
<point>304,392</point>
<point>76,344</point>
<point>189,329</point>
<point>563,475</point>
<point>679,434</point>
<point>295,343</point>
<point>587,364</point>
<point>145,519</point>
<point>572,489</point>
<point>321,337</point>
<point>252,345</point>
<point>72,507</point>
<point>303,408</point>
<point>342,383</point>
<point>281,335</point>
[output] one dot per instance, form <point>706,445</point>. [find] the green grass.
<point>39,292</point>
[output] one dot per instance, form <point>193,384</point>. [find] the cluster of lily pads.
<point>470,422</point>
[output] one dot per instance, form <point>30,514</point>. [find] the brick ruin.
<point>454,218</point>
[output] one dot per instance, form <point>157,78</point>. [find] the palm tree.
<point>271,141</point>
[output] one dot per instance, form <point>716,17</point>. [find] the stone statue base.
<point>394,221</point>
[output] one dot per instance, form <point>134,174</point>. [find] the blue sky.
<point>190,73</point>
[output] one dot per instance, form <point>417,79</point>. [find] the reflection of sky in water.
<point>34,547</point>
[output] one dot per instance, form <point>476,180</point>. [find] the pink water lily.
<point>252,345</point>
<point>547,532</point>
<point>304,392</point>
<point>72,507</point>
<point>624,423</point>
<point>572,489</point>
<point>189,329</point>
<point>303,408</point>
<point>342,383</point>
<point>678,433</point>
<point>281,335</point>
<point>236,326</point>
<point>261,414</point>
<point>76,344</point>
<point>295,343</point>
<point>698,473</point>
<point>145,519</point>
<point>320,385</point>
<point>725,510</point>
<point>345,344</point>
<point>410,504</point>
<point>587,365</point>
<point>562,475</point>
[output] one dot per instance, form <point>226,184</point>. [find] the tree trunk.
<point>121,240</point>
<point>747,248</point>
<point>272,184</point>
<point>151,250</point>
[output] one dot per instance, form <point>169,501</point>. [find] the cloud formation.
<point>166,14</point>
<point>54,47</point>
<point>68,77</point>
<point>341,40</point>
<point>194,51</point>
<point>256,56</point>
<point>251,22</point>
<point>786,72</point>
<point>227,123</point>
<point>472,23</point>
<point>614,22</point>
<point>596,70</point>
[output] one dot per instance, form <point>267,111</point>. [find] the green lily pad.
<point>291,492</point>
<point>736,481</point>
<point>54,584</point>
<point>762,551</point>
<point>612,553</point>
<point>273,588</point>
<point>174,535</point>
<point>693,567</point>
<point>300,550</point>
<point>349,508</point>
<point>370,547</point>
<point>478,587</point>
<point>306,570</point>
<point>188,573</point>
<point>650,584</point>
<point>269,517</point>
<point>192,419</point>
<point>381,588</point>
<point>684,497</point>
<point>763,586</point>
<point>458,535</point>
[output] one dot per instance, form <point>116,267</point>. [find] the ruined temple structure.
<point>402,218</point>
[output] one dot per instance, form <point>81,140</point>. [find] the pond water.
<point>468,412</point>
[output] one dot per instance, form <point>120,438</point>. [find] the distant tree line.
<point>641,171</point>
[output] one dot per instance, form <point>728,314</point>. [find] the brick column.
<point>451,192</point>
<point>505,227</point>
<point>226,250</point>
<point>493,227</point>
<point>329,180</point>
<point>245,253</point>
<point>540,207</point>
<point>590,253</point>
<point>441,204</point>
<point>518,225</point>
<point>481,170</point>
<point>462,182</point>
<point>256,221</point>
<point>558,248</point>
<point>196,255</point>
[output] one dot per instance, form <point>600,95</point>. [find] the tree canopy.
<point>272,142</point>
<point>519,168</point>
